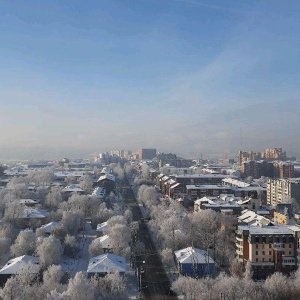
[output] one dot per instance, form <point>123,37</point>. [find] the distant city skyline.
<point>181,76</point>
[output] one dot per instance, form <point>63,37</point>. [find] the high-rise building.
<point>282,190</point>
<point>256,169</point>
<point>284,170</point>
<point>147,153</point>
<point>274,154</point>
<point>246,156</point>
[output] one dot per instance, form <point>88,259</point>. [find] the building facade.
<point>268,249</point>
<point>282,190</point>
<point>146,153</point>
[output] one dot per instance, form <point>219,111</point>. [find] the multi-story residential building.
<point>179,183</point>
<point>274,154</point>
<point>267,248</point>
<point>282,190</point>
<point>256,169</point>
<point>147,153</point>
<point>284,170</point>
<point>199,191</point>
<point>245,156</point>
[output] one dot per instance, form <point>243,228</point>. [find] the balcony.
<point>277,247</point>
<point>239,252</point>
<point>288,261</point>
<point>262,263</point>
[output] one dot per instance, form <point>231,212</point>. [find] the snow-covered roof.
<point>251,217</point>
<point>28,201</point>
<point>33,213</point>
<point>106,170</point>
<point>105,241</point>
<point>99,192</point>
<point>64,174</point>
<point>107,176</point>
<point>107,263</point>
<point>72,188</point>
<point>235,182</point>
<point>192,255</point>
<point>50,226</point>
<point>102,227</point>
<point>20,264</point>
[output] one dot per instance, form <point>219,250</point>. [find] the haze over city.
<point>183,75</point>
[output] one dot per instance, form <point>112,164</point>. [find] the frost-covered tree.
<point>80,287</point>
<point>86,183</point>
<point>24,244</point>
<point>119,172</point>
<point>168,258</point>
<point>71,245</point>
<point>110,287</point>
<point>278,287</point>
<point>95,248</point>
<point>73,221</point>
<point>54,295</point>
<point>13,290</point>
<point>49,251</point>
<point>52,278</point>
<point>128,216</point>
<point>120,235</point>
<point>54,198</point>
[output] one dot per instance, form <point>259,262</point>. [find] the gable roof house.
<point>22,264</point>
<point>195,262</point>
<point>105,264</point>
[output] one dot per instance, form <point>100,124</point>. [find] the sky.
<point>184,76</point>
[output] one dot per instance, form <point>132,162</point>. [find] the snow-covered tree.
<point>168,258</point>
<point>120,235</point>
<point>49,251</point>
<point>95,248</point>
<point>110,287</point>
<point>24,244</point>
<point>54,198</point>
<point>52,278</point>
<point>71,245</point>
<point>80,287</point>
<point>13,290</point>
<point>86,183</point>
<point>73,221</point>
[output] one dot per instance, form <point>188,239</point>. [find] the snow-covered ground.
<point>81,261</point>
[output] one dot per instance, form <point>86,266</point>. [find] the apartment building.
<point>284,170</point>
<point>256,169</point>
<point>147,153</point>
<point>282,190</point>
<point>199,191</point>
<point>274,154</point>
<point>268,248</point>
<point>179,183</point>
<point>245,156</point>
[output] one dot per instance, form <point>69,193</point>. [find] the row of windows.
<point>270,253</point>
<point>270,246</point>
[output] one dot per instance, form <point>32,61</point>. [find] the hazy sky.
<point>186,76</point>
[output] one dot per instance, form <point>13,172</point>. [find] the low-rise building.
<point>195,262</point>
<point>267,248</point>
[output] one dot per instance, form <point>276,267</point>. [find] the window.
<point>290,246</point>
<point>270,252</point>
<point>257,259</point>
<point>256,246</point>
<point>263,252</point>
<point>269,259</point>
<point>256,252</point>
<point>270,246</point>
<point>283,245</point>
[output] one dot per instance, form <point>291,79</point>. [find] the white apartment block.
<point>282,190</point>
